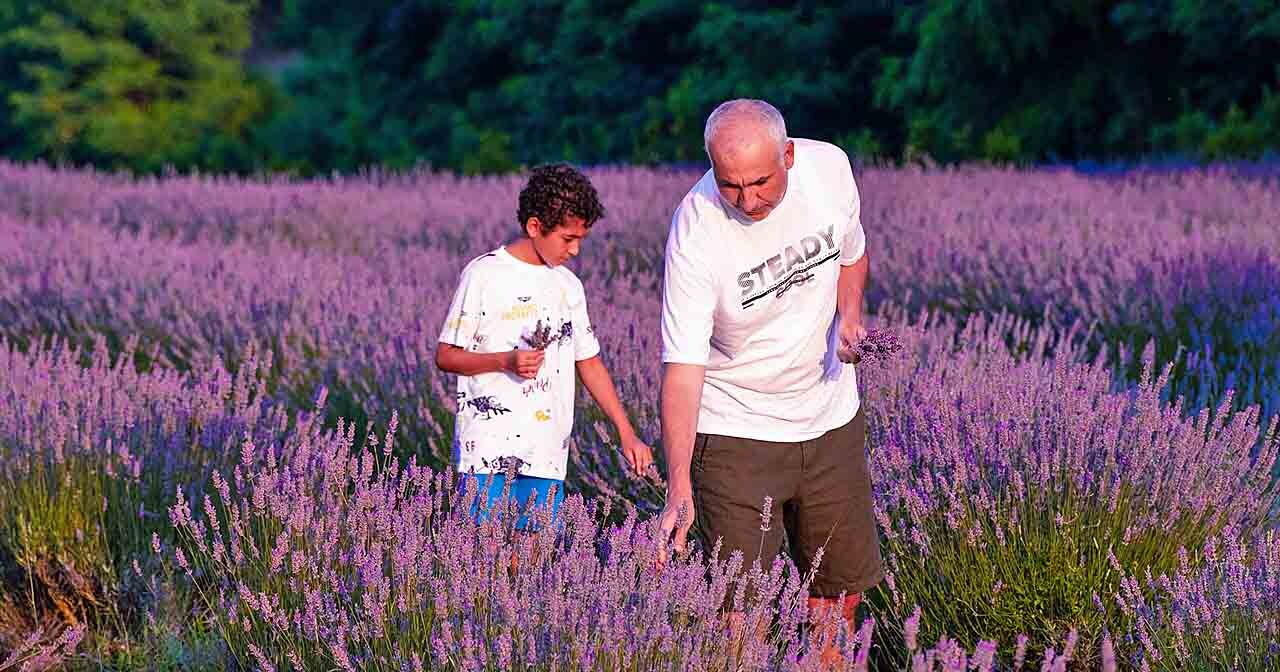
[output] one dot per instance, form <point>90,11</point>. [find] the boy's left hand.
<point>638,454</point>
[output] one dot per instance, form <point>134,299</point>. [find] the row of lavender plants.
<point>1185,259</point>
<point>365,331</point>
<point>1018,494</point>
<point>361,319</point>
<point>92,453</point>
<point>365,324</point>
<point>1015,488</point>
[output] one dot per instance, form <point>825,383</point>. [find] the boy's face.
<point>562,243</point>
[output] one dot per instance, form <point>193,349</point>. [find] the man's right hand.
<point>675,520</point>
<point>524,363</point>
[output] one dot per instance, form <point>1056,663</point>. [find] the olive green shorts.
<point>821,492</point>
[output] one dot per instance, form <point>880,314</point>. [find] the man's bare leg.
<point>737,632</point>
<point>526,543</point>
<point>819,608</point>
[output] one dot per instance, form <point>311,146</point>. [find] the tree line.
<point>479,86</point>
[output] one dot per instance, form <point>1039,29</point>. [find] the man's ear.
<point>533,227</point>
<point>789,154</point>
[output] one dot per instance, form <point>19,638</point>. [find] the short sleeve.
<point>462,323</point>
<point>854,243</point>
<point>688,298</point>
<point>585,343</point>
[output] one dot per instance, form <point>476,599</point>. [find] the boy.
<point>516,333</point>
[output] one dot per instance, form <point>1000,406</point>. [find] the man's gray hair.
<point>750,110</point>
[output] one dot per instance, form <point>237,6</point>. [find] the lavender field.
<point>223,438</point>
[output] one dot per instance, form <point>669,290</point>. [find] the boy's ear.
<point>533,227</point>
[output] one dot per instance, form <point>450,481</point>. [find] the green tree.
<point>815,61</point>
<point>1081,79</point>
<point>480,85</point>
<point>1042,73</point>
<point>12,14</point>
<point>134,83</point>
<point>490,85</point>
<point>487,85</point>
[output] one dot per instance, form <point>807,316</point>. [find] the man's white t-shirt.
<point>499,303</point>
<point>755,302</point>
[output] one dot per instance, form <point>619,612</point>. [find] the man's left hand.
<point>851,334</point>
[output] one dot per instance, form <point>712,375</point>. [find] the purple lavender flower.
<point>911,628</point>
<point>766,514</point>
<point>879,345</point>
<point>984,419</point>
<point>540,337</point>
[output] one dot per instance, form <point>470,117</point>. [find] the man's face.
<point>563,243</point>
<point>751,174</point>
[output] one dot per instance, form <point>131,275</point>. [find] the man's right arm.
<point>681,399</point>
<point>688,308</point>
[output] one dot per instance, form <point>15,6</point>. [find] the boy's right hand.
<point>524,363</point>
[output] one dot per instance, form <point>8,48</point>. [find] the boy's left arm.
<point>596,378</point>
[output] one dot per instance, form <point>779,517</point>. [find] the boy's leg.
<point>488,492</point>
<point>539,490</point>
<point>532,494</point>
<point>834,511</point>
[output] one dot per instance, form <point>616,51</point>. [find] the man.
<point>762,312</point>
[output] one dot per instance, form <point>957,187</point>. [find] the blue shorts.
<point>522,488</point>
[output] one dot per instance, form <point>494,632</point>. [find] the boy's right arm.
<point>453,359</point>
<point>460,329</point>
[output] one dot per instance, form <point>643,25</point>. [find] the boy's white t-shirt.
<point>499,303</point>
<point>755,302</point>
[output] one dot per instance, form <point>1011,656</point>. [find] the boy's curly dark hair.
<point>555,190</point>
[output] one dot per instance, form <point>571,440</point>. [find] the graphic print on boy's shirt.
<point>504,304</point>
<point>489,406</point>
<point>536,336</point>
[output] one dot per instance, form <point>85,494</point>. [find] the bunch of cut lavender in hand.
<point>541,337</point>
<point>879,344</point>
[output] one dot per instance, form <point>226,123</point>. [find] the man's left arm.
<point>855,264</point>
<point>852,283</point>
<point>850,288</point>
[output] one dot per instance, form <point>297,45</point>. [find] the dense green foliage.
<point>130,83</point>
<point>489,85</point>
<point>1089,79</point>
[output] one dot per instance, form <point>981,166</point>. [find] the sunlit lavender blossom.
<point>879,344</point>
<point>978,420</point>
<point>911,628</point>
